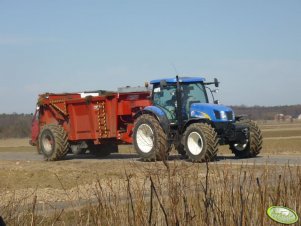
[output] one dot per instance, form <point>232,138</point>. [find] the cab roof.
<point>181,79</point>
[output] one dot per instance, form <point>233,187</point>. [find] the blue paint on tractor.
<point>156,110</point>
<point>213,112</point>
<point>181,80</point>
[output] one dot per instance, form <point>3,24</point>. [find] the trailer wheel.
<point>150,141</point>
<point>53,142</point>
<point>201,142</point>
<point>253,147</point>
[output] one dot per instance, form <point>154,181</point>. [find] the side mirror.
<point>163,83</point>
<point>216,82</point>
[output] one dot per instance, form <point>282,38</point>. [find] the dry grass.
<point>172,194</point>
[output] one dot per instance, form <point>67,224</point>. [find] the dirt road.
<point>294,159</point>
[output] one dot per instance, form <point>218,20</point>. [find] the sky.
<point>252,47</point>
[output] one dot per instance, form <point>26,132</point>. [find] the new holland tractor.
<point>182,117</point>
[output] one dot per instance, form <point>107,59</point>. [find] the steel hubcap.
<point>195,143</point>
<point>145,138</point>
<point>47,143</point>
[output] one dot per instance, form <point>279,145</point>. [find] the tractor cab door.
<point>165,98</point>
<point>192,93</point>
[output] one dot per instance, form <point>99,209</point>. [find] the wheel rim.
<point>145,138</point>
<point>47,143</point>
<point>240,147</point>
<point>195,143</point>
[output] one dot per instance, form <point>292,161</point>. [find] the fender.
<point>158,113</point>
<point>195,120</point>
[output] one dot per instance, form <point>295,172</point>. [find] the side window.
<point>165,97</point>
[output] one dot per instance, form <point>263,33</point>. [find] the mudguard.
<point>158,113</point>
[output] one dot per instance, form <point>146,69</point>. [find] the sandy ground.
<point>14,142</point>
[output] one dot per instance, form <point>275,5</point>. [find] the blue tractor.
<point>182,117</point>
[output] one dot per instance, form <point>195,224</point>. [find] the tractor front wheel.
<point>201,142</point>
<point>254,145</point>
<point>150,141</point>
<point>53,142</point>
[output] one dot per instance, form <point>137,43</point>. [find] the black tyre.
<point>38,148</point>
<point>53,142</point>
<point>103,150</point>
<point>253,147</point>
<point>77,150</point>
<point>150,141</point>
<point>201,143</point>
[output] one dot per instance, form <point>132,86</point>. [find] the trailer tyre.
<point>150,141</point>
<point>53,142</point>
<point>201,143</point>
<point>38,148</point>
<point>254,145</point>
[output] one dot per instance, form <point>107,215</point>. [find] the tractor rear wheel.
<point>201,142</point>
<point>253,146</point>
<point>53,142</point>
<point>150,141</point>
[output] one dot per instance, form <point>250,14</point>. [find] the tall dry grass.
<point>202,194</point>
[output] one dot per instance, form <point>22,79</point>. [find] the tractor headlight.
<point>223,115</point>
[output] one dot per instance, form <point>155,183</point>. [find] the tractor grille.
<point>229,115</point>
<point>217,114</point>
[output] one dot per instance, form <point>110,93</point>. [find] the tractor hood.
<point>213,112</point>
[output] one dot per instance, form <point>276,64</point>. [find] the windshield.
<point>194,92</point>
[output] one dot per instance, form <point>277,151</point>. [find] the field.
<point>125,191</point>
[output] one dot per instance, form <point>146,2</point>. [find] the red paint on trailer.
<point>108,115</point>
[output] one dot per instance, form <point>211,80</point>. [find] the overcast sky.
<point>252,47</point>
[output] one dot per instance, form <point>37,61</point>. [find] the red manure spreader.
<point>77,122</point>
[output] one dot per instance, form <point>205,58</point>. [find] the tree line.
<point>267,113</point>
<point>15,125</point>
<point>19,125</point>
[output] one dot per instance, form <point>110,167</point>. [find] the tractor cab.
<point>164,96</point>
<point>191,94</point>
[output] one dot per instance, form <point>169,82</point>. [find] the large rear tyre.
<point>201,143</point>
<point>150,141</point>
<point>254,145</point>
<point>53,142</point>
